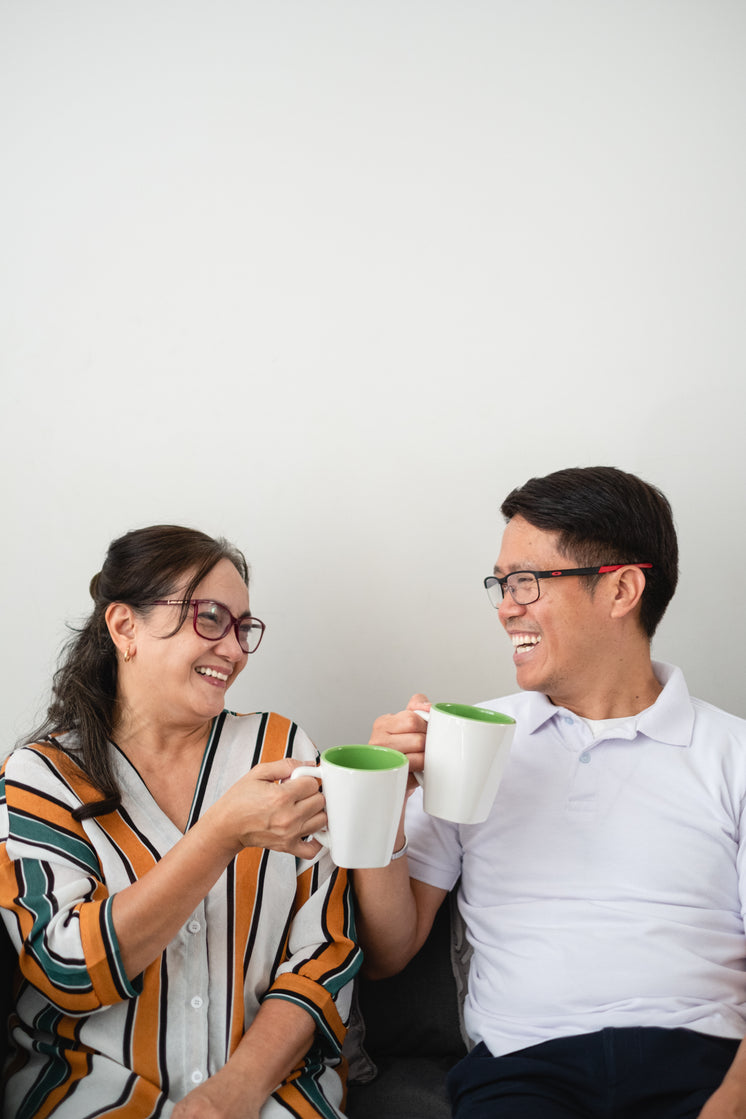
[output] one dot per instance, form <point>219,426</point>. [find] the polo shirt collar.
<point>670,719</point>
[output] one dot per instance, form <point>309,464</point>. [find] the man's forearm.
<point>394,914</point>
<point>385,917</point>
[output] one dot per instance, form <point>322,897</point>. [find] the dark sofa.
<point>407,1032</point>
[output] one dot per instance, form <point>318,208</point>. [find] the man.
<point>604,894</point>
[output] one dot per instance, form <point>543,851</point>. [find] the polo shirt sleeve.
<point>51,883</point>
<point>434,851</point>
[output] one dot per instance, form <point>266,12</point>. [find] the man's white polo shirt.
<point>607,887</point>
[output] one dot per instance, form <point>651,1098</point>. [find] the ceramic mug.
<point>364,788</point>
<point>466,750</point>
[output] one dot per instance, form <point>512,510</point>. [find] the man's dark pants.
<point>639,1073</point>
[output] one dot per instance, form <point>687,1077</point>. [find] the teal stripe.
<point>40,833</point>
<point>307,1084</point>
<point>337,981</point>
<point>53,1074</point>
<point>65,975</point>
<point>114,955</point>
<point>341,978</point>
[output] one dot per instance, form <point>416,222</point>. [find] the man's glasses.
<point>212,620</point>
<point>524,585</point>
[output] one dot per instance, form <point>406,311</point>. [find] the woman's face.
<point>182,680</point>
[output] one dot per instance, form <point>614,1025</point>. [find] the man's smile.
<point>524,642</point>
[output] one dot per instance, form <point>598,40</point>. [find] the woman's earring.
<point>128,655</point>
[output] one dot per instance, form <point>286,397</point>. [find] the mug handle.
<point>420,776</point>
<point>322,836</point>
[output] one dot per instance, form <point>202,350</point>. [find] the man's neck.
<point>614,699</point>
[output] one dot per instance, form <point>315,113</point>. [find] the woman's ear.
<point>122,625</point>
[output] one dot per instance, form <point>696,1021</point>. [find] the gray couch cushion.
<point>404,1088</point>
<point>406,1031</point>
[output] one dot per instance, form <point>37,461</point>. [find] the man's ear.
<point>629,583</point>
<point>122,625</point>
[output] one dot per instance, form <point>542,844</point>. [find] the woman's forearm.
<point>148,914</point>
<point>274,1044</point>
<point>257,811</point>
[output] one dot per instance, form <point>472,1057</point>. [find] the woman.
<point>181,954</point>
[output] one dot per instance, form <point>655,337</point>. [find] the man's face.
<point>561,640</point>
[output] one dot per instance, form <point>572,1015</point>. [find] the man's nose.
<point>509,608</point>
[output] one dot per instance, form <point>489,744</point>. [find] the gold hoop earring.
<point>128,656</point>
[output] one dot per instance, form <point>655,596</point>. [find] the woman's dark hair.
<point>604,515</point>
<point>140,567</point>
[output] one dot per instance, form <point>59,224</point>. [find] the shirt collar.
<point>670,719</point>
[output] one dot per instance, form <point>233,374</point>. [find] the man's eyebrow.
<point>498,571</point>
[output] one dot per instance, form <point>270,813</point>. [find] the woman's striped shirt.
<point>91,1043</point>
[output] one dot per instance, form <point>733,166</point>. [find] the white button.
<point>196,1002</point>
<point>193,926</point>
<point>197,1077</point>
<point>585,758</point>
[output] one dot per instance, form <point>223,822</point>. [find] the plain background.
<point>330,278</point>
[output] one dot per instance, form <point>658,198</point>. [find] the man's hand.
<point>405,732</point>
<point>722,1104</point>
<point>729,1101</point>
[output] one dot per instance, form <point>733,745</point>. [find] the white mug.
<point>364,788</point>
<point>466,751</point>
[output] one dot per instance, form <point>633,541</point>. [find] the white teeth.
<point>211,672</point>
<point>520,640</point>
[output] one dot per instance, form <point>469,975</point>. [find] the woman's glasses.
<point>212,620</point>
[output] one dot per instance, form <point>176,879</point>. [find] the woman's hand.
<point>210,1101</point>
<point>405,732</point>
<point>262,809</point>
<point>266,809</point>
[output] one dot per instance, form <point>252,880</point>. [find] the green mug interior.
<point>364,757</point>
<point>478,714</point>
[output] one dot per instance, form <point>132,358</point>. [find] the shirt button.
<point>569,720</point>
<point>585,759</point>
<point>193,926</point>
<point>196,1002</point>
<point>197,1077</point>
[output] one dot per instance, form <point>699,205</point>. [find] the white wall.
<point>331,278</point>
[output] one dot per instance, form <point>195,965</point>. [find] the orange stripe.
<point>304,888</point>
<point>294,1099</point>
<point>339,949</point>
<point>88,1000</point>
<point>127,840</point>
<point>147,1025</point>
<point>246,874</point>
<point>275,745</point>
<point>69,769</point>
<point>78,1061</point>
<point>142,1101</point>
